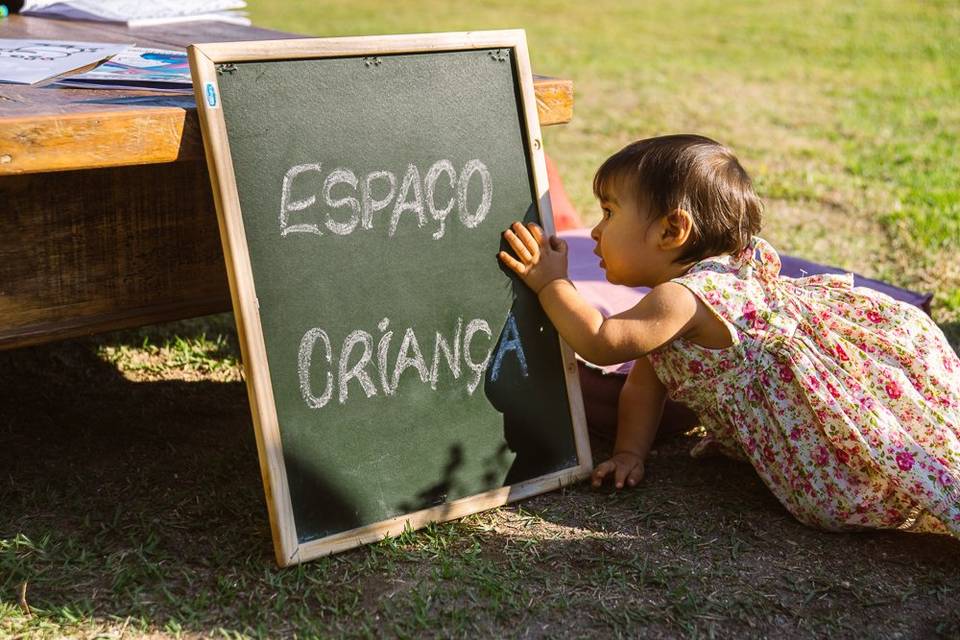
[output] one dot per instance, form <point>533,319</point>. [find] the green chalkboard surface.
<point>362,186</point>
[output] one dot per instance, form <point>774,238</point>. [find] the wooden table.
<point>106,215</point>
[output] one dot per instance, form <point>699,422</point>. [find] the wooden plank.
<point>126,137</point>
<point>303,48</point>
<point>542,182</point>
<point>450,510</point>
<point>52,129</point>
<point>120,128</point>
<point>84,251</point>
<point>247,315</point>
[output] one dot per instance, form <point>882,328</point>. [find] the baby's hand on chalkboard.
<point>626,467</point>
<point>539,260</point>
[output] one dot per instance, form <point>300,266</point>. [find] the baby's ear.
<point>676,228</point>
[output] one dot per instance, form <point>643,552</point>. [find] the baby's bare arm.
<point>668,311</point>
<point>638,417</point>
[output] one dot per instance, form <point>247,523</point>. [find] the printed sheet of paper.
<point>138,12</point>
<point>138,68</point>
<point>30,61</point>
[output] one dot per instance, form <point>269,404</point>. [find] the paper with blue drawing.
<point>137,68</point>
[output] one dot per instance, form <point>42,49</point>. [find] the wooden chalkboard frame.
<point>203,61</point>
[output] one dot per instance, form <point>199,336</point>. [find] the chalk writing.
<point>350,203</point>
<point>287,206</point>
<point>355,361</point>
<point>509,342</point>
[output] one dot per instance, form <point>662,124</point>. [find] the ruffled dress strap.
<point>762,313</point>
<point>764,307</point>
<point>745,291</point>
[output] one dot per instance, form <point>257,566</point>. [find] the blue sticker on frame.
<point>210,93</point>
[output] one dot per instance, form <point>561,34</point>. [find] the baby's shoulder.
<point>672,292</point>
<point>702,324</point>
<point>669,300</point>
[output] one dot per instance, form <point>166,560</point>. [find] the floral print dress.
<point>845,401</point>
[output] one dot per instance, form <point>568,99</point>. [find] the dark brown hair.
<point>688,172</point>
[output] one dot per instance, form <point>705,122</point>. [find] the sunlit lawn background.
<point>846,114</point>
<point>848,117</point>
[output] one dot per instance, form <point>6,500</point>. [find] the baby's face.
<point>628,242</point>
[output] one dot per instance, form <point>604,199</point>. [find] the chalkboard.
<point>397,374</point>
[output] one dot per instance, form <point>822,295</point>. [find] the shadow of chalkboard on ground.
<point>397,375</point>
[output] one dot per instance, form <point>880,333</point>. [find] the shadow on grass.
<point>140,505</point>
<point>128,499</point>
<point>952,331</point>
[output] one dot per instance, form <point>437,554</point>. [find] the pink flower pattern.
<point>846,402</point>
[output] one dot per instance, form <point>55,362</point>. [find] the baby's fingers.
<point>558,244</point>
<point>620,476</point>
<point>536,232</point>
<point>527,238</point>
<point>635,475</point>
<point>601,472</point>
<point>518,267</point>
<point>518,246</point>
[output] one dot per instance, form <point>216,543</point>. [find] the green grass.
<point>154,551</point>
<point>130,498</point>
<point>194,355</point>
<point>845,110</point>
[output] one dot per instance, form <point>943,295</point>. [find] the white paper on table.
<point>30,61</point>
<point>230,17</point>
<point>136,12</point>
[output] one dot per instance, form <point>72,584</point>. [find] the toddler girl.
<point>845,401</point>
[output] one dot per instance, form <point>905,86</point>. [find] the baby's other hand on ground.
<point>625,468</point>
<point>539,260</point>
